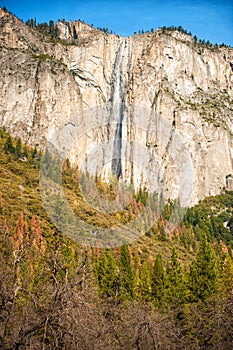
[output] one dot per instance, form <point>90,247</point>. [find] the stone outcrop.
<point>157,107</point>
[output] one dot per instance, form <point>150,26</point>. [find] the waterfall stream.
<point>117,111</point>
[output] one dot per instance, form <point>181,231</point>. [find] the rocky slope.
<point>154,108</point>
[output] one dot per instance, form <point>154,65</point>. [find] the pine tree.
<point>8,147</point>
<point>34,152</point>
<point>126,274</point>
<point>174,285</point>
<point>203,273</point>
<point>51,27</point>
<point>145,281</point>
<point>226,275</point>
<point>47,164</point>
<point>158,280</point>
<point>106,272</point>
<point>18,148</point>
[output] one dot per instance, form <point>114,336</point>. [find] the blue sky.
<point>208,19</point>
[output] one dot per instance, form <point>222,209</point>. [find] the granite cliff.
<point>157,108</point>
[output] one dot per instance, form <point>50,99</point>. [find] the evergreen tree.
<point>180,29</point>
<point>51,27</point>
<point>126,274</point>
<point>174,286</point>
<point>8,147</point>
<point>226,275</point>
<point>34,23</point>
<point>203,273</point>
<point>1,203</point>
<point>34,152</point>
<point>25,151</point>
<point>195,38</point>
<point>48,164</point>
<point>106,271</point>
<point>158,280</point>
<point>145,280</point>
<point>18,148</point>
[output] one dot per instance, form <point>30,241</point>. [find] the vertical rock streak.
<point>117,112</point>
<point>165,71</point>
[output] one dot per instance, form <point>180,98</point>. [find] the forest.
<point>165,291</point>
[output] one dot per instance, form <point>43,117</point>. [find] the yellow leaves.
<point>1,200</point>
<point>226,278</point>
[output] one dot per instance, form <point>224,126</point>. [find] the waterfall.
<point>117,111</point>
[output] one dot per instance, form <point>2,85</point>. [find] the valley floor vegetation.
<point>163,292</point>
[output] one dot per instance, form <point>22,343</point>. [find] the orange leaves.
<point>38,241</point>
<point>20,237</point>
<point>24,237</point>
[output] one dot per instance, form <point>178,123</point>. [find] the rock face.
<point>156,109</point>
